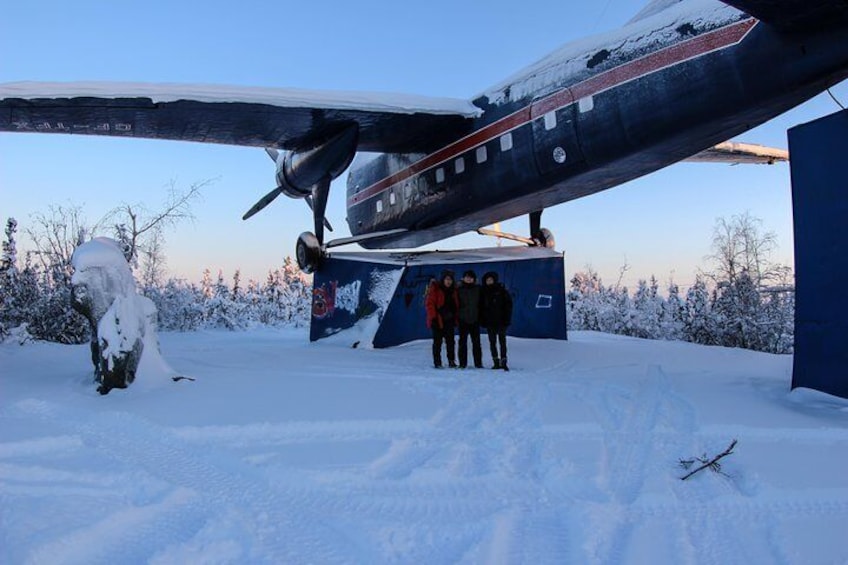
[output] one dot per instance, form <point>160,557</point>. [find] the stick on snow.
<point>707,463</point>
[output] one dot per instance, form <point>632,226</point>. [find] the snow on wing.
<point>735,153</point>
<point>261,117</point>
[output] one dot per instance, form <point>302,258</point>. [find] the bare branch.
<point>142,226</point>
<point>712,464</point>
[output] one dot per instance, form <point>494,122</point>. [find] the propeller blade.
<point>309,203</point>
<point>264,201</point>
<point>320,193</point>
<point>272,153</point>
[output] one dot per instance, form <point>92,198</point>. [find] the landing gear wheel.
<point>545,238</point>
<point>308,252</point>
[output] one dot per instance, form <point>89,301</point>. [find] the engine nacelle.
<point>298,171</point>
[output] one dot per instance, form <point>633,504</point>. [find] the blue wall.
<point>819,153</point>
<point>537,286</point>
<point>340,295</point>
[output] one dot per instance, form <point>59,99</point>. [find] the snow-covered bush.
<point>123,322</point>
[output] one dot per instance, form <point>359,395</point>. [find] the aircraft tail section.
<point>796,15</point>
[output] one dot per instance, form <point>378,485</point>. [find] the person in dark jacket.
<point>496,316</point>
<point>469,320</point>
<point>442,306</point>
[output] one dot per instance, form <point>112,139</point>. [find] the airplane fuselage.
<point>593,116</point>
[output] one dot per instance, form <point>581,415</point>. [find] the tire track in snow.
<point>280,530</point>
<point>631,453</point>
<point>488,432</point>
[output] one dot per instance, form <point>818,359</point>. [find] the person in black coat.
<point>469,320</point>
<point>495,316</point>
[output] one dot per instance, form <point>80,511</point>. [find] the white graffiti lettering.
<point>347,297</point>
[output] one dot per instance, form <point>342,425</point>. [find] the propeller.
<point>264,201</point>
<point>271,196</point>
<point>307,172</point>
<point>312,207</point>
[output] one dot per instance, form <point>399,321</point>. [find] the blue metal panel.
<point>820,207</point>
<point>537,286</point>
<point>342,295</point>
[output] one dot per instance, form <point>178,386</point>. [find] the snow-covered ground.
<point>287,452</point>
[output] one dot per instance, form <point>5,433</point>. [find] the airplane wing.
<point>735,153</point>
<point>795,15</point>
<point>261,117</point>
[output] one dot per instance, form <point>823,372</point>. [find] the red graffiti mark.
<point>324,300</point>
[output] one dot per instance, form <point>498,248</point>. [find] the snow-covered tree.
<point>698,325</point>
<point>742,272</point>
<point>8,278</point>
<point>180,305</point>
<point>206,284</point>
<point>673,315</point>
<point>9,258</point>
<point>649,309</point>
<point>220,311</point>
<point>236,285</point>
<point>738,313</point>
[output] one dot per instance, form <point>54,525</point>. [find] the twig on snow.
<point>712,464</point>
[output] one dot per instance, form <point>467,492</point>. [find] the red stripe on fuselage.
<point>632,70</point>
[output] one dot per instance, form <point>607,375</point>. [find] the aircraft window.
<point>392,198</point>
<point>586,104</point>
<point>506,141</point>
<point>459,165</point>
<point>379,206</point>
<point>424,187</point>
<point>482,154</point>
<point>440,175</point>
<point>550,120</point>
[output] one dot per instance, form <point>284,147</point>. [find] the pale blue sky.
<point>660,224</point>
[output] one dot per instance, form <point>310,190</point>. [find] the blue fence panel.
<point>820,209</point>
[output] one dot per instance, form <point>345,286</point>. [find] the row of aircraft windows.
<point>481,155</point>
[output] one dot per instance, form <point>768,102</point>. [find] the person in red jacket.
<point>442,304</point>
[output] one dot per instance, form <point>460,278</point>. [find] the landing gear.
<point>309,253</point>
<point>544,238</point>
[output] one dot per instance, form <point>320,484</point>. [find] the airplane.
<point>674,83</point>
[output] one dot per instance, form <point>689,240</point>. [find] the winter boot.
<point>503,364</point>
<point>497,364</point>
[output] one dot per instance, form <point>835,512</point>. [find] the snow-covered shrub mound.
<point>123,323</point>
